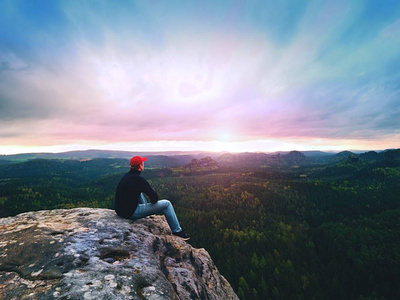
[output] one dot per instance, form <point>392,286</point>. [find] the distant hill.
<point>295,158</point>
<point>205,162</point>
<point>246,158</point>
<point>312,153</point>
<point>391,155</point>
<point>341,156</point>
<point>263,159</point>
<point>370,156</point>
<point>155,160</point>
<point>317,153</point>
<point>182,157</point>
<point>84,154</point>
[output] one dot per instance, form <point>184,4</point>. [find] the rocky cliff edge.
<point>87,253</point>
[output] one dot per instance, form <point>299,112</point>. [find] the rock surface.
<point>89,253</point>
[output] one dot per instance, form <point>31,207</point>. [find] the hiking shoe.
<point>183,235</point>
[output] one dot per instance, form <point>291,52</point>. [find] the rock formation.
<point>205,162</point>
<point>89,253</point>
<point>295,158</point>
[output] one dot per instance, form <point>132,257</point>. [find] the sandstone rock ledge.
<point>87,253</point>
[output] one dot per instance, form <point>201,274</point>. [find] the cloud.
<point>147,72</point>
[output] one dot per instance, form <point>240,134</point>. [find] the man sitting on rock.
<point>130,203</point>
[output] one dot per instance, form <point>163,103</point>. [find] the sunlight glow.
<point>224,136</point>
<point>266,146</point>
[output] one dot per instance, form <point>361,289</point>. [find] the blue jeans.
<point>161,207</point>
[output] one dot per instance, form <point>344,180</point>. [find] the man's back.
<point>128,192</point>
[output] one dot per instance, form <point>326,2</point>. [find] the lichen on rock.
<point>87,253</point>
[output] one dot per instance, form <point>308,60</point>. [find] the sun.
<point>224,136</point>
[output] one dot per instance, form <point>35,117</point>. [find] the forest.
<point>295,230</point>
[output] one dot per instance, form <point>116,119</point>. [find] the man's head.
<point>137,163</point>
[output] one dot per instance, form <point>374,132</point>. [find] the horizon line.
<point>193,151</point>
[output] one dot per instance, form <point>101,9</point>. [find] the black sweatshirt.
<point>128,192</point>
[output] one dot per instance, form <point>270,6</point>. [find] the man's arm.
<point>152,194</point>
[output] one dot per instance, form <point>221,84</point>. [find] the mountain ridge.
<point>97,153</point>
<point>171,159</point>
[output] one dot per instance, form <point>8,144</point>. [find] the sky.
<point>238,76</point>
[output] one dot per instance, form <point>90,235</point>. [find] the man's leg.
<point>161,207</point>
